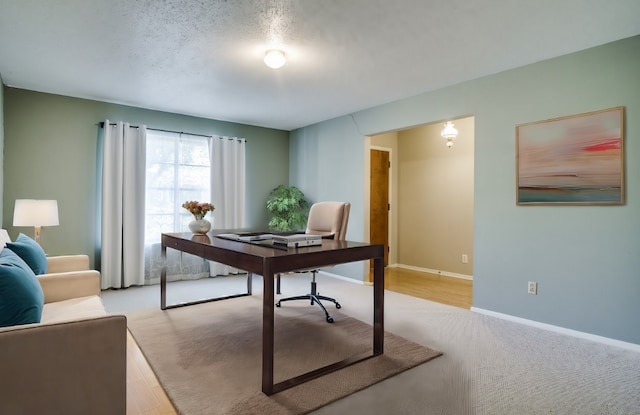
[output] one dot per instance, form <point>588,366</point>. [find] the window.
<point>178,169</point>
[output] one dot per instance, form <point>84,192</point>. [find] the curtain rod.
<point>101,124</point>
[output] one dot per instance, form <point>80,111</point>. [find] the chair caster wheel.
<point>278,304</point>
<point>329,319</point>
<point>338,305</point>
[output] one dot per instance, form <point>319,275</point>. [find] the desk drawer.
<point>184,245</point>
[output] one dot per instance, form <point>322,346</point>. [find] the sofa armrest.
<point>66,285</point>
<point>76,367</point>
<point>66,263</point>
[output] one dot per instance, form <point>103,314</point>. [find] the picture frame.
<point>572,160</point>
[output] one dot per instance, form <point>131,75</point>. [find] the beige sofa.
<point>74,360</point>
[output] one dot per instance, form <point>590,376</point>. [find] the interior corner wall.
<point>51,153</point>
<point>584,258</point>
<point>326,162</point>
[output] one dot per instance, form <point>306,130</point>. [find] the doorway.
<point>430,221</point>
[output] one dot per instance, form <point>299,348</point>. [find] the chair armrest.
<point>66,285</point>
<point>76,367</point>
<point>66,263</point>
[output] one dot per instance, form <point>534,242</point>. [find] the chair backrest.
<point>329,218</point>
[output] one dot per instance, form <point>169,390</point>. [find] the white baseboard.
<point>550,327</point>
<point>433,271</point>
<point>569,332</point>
<point>343,278</point>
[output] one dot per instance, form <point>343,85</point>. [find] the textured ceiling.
<point>204,58</point>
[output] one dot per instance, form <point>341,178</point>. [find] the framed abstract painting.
<point>574,160</point>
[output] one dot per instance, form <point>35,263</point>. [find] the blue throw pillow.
<point>31,252</point>
<point>21,296</point>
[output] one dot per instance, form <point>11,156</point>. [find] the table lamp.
<point>36,213</point>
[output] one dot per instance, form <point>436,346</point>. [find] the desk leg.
<point>378,306</point>
<point>267,331</point>
<point>163,277</point>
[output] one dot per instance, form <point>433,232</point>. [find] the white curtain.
<point>122,205</point>
<point>227,156</point>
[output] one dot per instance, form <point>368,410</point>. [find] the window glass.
<point>178,170</point>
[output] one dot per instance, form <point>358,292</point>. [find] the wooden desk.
<point>267,261</point>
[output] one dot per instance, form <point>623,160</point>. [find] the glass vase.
<point>199,226</point>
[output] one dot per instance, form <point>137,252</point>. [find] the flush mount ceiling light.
<point>449,133</point>
<point>275,58</point>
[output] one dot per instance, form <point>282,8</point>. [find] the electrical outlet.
<point>533,288</point>
<point>465,258</point>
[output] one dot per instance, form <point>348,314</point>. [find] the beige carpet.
<point>208,356</point>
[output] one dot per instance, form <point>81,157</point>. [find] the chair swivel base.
<point>314,298</point>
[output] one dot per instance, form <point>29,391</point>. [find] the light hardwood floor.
<point>145,396</point>
<point>441,289</point>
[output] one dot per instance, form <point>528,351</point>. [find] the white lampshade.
<point>36,213</point>
<point>275,58</point>
<point>31,212</point>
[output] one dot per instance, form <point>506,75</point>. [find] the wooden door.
<point>379,201</point>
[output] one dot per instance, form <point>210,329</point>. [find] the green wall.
<point>50,153</point>
<point>586,259</point>
<point>1,148</point>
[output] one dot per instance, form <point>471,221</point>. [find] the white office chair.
<point>327,219</point>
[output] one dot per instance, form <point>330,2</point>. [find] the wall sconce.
<point>36,213</point>
<point>275,58</point>
<point>449,133</point>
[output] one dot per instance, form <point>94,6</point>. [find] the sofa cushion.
<point>31,252</point>
<point>21,297</point>
<point>72,309</point>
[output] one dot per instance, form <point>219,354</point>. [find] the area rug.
<point>208,356</point>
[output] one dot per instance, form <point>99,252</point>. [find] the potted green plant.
<point>288,208</point>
